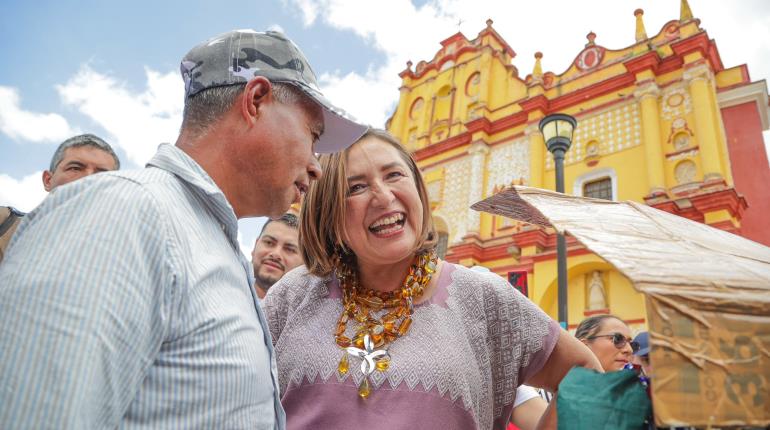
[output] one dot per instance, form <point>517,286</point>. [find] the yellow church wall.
<point>506,134</point>
<point>664,50</point>
<point>719,126</point>
<point>718,216</point>
<point>623,300</point>
<point>628,165</point>
<point>730,77</point>
<point>568,86</point>
<point>450,154</point>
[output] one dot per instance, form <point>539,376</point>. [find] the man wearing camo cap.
<point>138,311</point>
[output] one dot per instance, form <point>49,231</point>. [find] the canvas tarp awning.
<point>707,295</point>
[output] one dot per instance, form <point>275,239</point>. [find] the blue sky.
<point>111,67</point>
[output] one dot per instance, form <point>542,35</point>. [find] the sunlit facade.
<point>662,121</point>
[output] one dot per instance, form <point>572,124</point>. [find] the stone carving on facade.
<point>681,141</point>
<point>696,72</point>
<point>478,155</point>
<point>455,203</point>
<point>682,155</point>
<point>597,295</point>
<point>615,130</point>
<point>685,172</point>
<point>675,104</point>
<point>647,89</point>
<point>508,162</point>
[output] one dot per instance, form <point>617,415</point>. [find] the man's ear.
<point>47,180</point>
<point>258,91</point>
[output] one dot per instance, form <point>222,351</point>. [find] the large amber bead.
<point>430,267</point>
<point>404,327</point>
<point>342,367</point>
<point>383,364</point>
<point>374,303</point>
<point>343,318</point>
<point>359,342</point>
<point>392,303</point>
<point>364,389</point>
<point>343,341</point>
<point>340,329</point>
<point>362,315</point>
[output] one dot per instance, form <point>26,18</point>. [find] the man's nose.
<point>314,169</point>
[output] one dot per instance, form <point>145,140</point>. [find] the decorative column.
<point>400,125</point>
<point>699,79</point>
<point>536,155</point>
<point>647,93</point>
<point>478,153</point>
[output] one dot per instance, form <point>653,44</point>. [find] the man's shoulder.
<point>146,177</point>
<point>108,196</point>
<point>124,187</point>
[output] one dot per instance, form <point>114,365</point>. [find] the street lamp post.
<point>557,132</point>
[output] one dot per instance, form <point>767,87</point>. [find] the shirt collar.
<point>177,162</point>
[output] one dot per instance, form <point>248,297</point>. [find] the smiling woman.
<point>378,324</point>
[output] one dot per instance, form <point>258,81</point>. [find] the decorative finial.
<point>591,37</point>
<point>641,33</point>
<point>685,13</point>
<point>409,64</point>
<point>489,22</point>
<point>537,71</point>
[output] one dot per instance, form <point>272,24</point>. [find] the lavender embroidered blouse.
<point>470,345</point>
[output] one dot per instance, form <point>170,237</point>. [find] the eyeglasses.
<point>619,340</point>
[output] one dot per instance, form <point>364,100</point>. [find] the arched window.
<point>416,109</point>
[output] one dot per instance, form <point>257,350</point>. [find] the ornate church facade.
<point>662,121</point>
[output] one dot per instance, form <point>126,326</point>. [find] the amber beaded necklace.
<point>379,317</point>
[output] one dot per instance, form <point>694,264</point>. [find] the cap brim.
<point>340,128</point>
<point>642,351</point>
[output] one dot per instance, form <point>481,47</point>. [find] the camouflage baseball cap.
<point>237,56</point>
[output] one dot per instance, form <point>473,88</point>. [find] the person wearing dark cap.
<point>642,356</point>
<point>137,311</point>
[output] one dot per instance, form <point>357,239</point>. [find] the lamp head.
<point>557,131</point>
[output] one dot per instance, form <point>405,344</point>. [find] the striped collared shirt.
<point>125,302</point>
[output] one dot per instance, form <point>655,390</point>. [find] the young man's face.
<point>78,162</point>
<point>275,253</point>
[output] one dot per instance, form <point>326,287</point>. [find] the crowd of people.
<point>125,300</point>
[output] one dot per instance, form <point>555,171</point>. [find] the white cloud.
<point>309,10</point>
<point>17,123</point>
<point>23,194</point>
<point>137,122</point>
